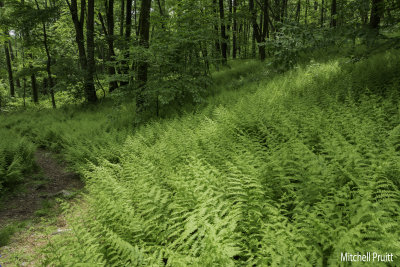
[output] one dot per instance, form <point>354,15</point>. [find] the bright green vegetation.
<point>283,170</point>
<point>16,159</point>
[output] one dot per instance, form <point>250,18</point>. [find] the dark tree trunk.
<point>298,9</point>
<point>121,27</point>
<point>109,32</point>
<point>48,63</point>
<point>85,60</point>
<point>8,61</point>
<point>144,34</point>
<point>17,82</point>
<point>89,81</point>
<point>234,32</point>
<point>333,13</point>
<point>216,30</point>
<point>9,69</point>
<point>224,45</point>
<point>128,31</point>
<point>376,13</point>
<point>322,13</point>
<point>260,32</point>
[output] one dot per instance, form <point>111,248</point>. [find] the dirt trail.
<point>24,205</point>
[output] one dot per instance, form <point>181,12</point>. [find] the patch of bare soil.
<point>59,182</point>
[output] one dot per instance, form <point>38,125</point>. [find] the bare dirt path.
<point>57,182</point>
<point>51,181</point>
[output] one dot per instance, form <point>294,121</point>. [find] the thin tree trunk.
<point>298,9</point>
<point>216,31</point>
<point>89,81</point>
<point>13,59</point>
<point>109,32</point>
<point>85,59</point>
<point>122,17</point>
<point>224,45</point>
<point>9,69</point>
<point>333,13</point>
<point>234,32</point>
<point>8,61</point>
<point>128,30</point>
<point>144,35</point>
<point>48,64</point>
<point>322,12</point>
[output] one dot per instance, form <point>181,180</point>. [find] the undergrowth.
<point>304,167</point>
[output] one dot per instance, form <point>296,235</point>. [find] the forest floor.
<point>32,215</point>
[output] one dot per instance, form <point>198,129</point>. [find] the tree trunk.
<point>128,30</point>
<point>298,9</point>
<point>80,41</point>
<point>333,13</point>
<point>8,61</point>
<point>48,64</point>
<point>13,59</point>
<point>121,27</point>
<point>109,32</point>
<point>9,69</point>
<point>322,13</point>
<point>144,34</point>
<point>216,31</point>
<point>89,81</point>
<point>234,32</point>
<point>376,13</point>
<point>224,45</point>
<point>258,32</point>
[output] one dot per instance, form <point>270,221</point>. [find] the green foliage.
<point>301,169</point>
<point>16,159</point>
<point>6,232</point>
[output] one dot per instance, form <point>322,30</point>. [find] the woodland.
<point>199,132</point>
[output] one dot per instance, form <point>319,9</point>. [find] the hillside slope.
<point>304,168</point>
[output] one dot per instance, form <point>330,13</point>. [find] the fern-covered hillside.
<point>301,168</point>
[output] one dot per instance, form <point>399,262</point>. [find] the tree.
<point>86,62</point>
<point>377,9</point>
<point>235,29</point>
<point>333,13</point>
<point>144,35</point>
<point>8,60</point>
<point>109,32</point>
<point>48,64</point>
<point>260,33</point>
<point>224,44</point>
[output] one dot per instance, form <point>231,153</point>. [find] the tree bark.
<point>109,32</point>
<point>9,69</point>
<point>48,63</point>
<point>89,81</point>
<point>298,9</point>
<point>234,32</point>
<point>376,13</point>
<point>128,30</point>
<point>224,45</point>
<point>85,60</point>
<point>216,31</point>
<point>121,27</point>
<point>260,32</point>
<point>13,58</point>
<point>322,13</point>
<point>333,13</point>
<point>144,35</point>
